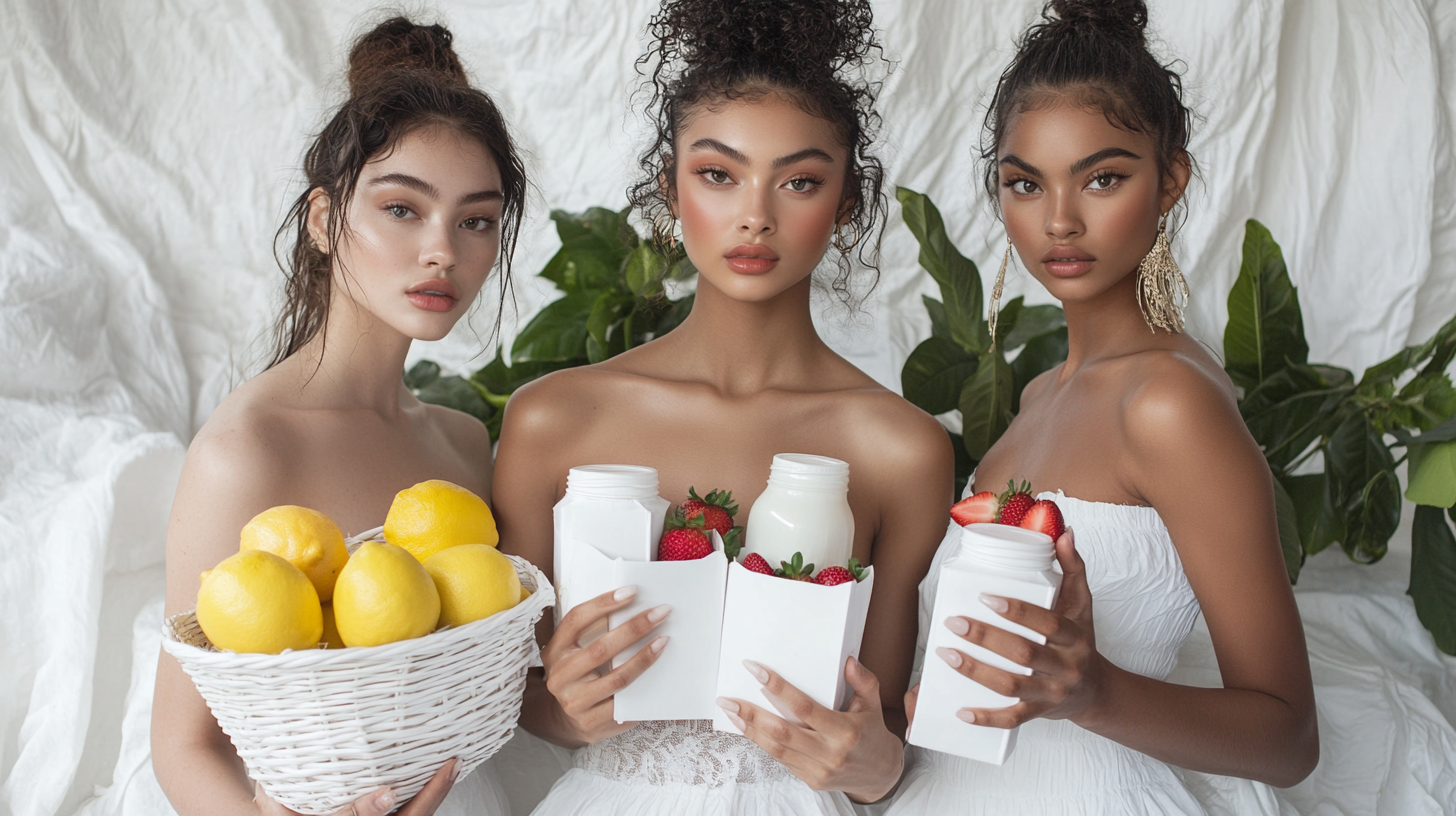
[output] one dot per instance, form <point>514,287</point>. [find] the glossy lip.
<point>751,259</point>
<point>1067,262</point>
<point>434,295</point>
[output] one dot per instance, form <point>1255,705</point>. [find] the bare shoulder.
<point>899,432</point>
<point>247,438</point>
<point>1166,392</point>
<point>542,405</point>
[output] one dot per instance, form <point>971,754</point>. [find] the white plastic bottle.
<point>994,559</point>
<point>614,509</point>
<point>805,509</point>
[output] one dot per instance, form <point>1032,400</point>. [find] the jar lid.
<point>612,481</point>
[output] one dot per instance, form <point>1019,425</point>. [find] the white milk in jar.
<point>614,509</point>
<point>805,509</point>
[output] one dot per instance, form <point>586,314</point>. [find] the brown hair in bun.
<point>402,76</point>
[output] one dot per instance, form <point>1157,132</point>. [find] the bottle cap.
<point>806,470</point>
<point>612,482</point>
<point>1007,547</point>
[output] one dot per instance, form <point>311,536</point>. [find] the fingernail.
<point>455,771</point>
<point>950,656</point>
<point>659,612</point>
<point>958,625</point>
<point>728,706</point>
<point>385,801</point>
<point>759,673</point>
<point>994,603</point>
<point>967,715</point>
<point>738,721</point>
<point>657,644</point>
<point>624,593</point>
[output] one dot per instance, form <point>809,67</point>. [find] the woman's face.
<point>1080,198</point>
<point>759,187</point>
<point>423,232</point>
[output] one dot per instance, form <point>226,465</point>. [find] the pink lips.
<point>751,259</point>
<point>434,295</point>
<point>1067,262</point>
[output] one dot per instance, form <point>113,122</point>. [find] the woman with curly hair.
<point>763,125</point>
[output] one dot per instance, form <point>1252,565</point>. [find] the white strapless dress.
<point>1143,609</point>
<point>684,768</point>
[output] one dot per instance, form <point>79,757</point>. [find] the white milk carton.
<point>995,559</point>
<point>680,685</point>
<point>803,631</point>
<point>613,510</point>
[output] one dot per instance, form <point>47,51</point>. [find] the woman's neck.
<point>356,363</point>
<point>1109,325</point>
<point>743,347</point>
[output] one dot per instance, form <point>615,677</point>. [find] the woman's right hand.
<point>379,802</point>
<point>574,673</point>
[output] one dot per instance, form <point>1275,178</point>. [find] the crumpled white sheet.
<point>148,149</point>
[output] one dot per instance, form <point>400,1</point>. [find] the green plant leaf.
<point>1288,412</point>
<point>939,326</point>
<point>986,404</point>
<point>934,374</point>
<point>959,280</point>
<point>457,393</point>
<point>1006,321</point>
<point>1315,518</point>
<point>497,381</point>
<point>645,270</point>
<point>1042,352</point>
<point>557,332</point>
<point>1265,330</point>
<point>1441,433</point>
<point>1433,575</point>
<point>964,464</point>
<point>421,374</point>
<point>608,311</point>
<point>1363,488</point>
<point>1443,349</point>
<point>1432,474</point>
<point>1033,322</point>
<point>674,316</point>
<point>1424,402</point>
<point>1289,539</point>
<point>594,245</point>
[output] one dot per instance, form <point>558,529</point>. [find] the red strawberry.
<point>976,509</point>
<point>833,576</point>
<point>753,562</point>
<point>796,569</point>
<point>1014,503</point>
<point>684,544</point>
<point>1045,517</point>
<point>717,509</point>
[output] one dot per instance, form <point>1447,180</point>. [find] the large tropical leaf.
<point>1362,487</point>
<point>1289,542</point>
<point>959,280</point>
<point>558,332</point>
<point>1265,330</point>
<point>986,404</point>
<point>1318,526</point>
<point>1033,321</point>
<point>934,375</point>
<point>1288,412</point>
<point>594,245</point>
<point>1037,355</point>
<point>1432,470</point>
<point>1433,575</point>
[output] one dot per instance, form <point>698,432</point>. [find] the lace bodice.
<point>680,752</point>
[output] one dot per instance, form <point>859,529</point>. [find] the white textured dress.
<point>683,768</point>
<point>1143,609</point>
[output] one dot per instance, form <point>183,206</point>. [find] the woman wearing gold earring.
<point>1138,438</point>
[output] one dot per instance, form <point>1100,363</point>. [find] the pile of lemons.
<point>294,585</point>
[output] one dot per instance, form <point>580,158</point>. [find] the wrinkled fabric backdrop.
<point>148,149</point>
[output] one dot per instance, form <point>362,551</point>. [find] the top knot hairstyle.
<point>1094,52</point>
<point>813,53</point>
<point>402,77</point>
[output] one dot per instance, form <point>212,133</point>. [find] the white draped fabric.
<point>149,147</point>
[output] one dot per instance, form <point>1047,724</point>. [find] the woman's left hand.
<point>1067,671</point>
<point>850,750</point>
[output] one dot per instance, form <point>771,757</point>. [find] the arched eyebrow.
<point>1104,153</point>
<point>425,188</point>
<point>718,147</point>
<point>807,153</point>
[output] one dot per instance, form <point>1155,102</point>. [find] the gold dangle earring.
<point>1162,291</point>
<point>995,313</point>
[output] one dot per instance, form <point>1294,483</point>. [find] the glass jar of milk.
<point>805,509</point>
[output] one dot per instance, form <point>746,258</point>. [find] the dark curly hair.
<point>1095,52</point>
<point>402,77</point>
<point>815,53</point>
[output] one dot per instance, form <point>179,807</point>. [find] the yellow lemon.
<point>433,515</point>
<point>384,595</point>
<point>257,602</point>
<point>525,593</point>
<point>474,581</point>
<point>330,637</point>
<point>308,540</point>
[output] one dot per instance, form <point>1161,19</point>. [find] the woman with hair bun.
<point>763,128</point>
<point>414,191</point>
<point>1138,434</point>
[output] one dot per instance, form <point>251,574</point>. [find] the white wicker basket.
<point>319,728</point>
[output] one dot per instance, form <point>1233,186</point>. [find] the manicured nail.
<point>958,625</point>
<point>759,673</point>
<point>657,644</point>
<point>624,593</point>
<point>950,656</point>
<point>728,706</point>
<point>659,612</point>
<point>455,771</point>
<point>385,800</point>
<point>994,603</point>
<point>967,715</point>
<point>738,721</point>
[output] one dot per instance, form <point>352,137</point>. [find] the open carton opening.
<point>803,631</point>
